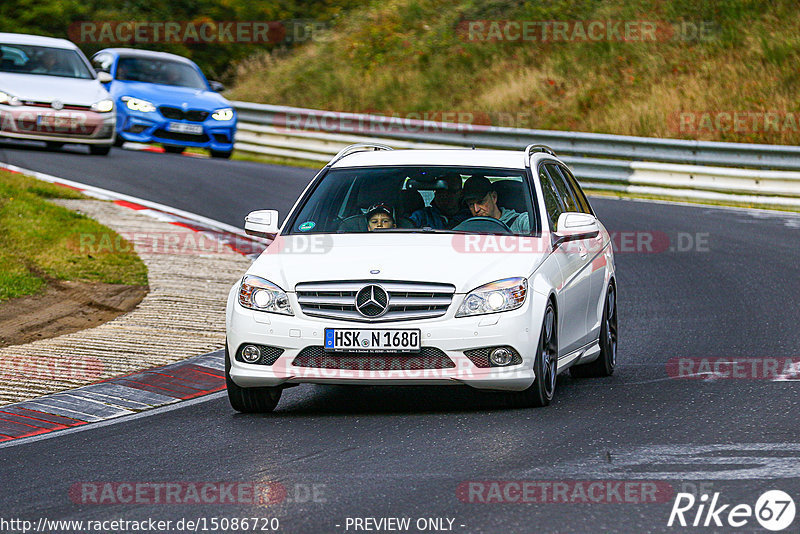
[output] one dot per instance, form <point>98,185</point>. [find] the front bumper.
<point>152,127</point>
<point>64,126</point>
<point>451,335</point>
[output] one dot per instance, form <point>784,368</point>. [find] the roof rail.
<point>530,149</point>
<point>358,147</point>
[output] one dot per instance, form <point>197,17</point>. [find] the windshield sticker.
<point>306,226</point>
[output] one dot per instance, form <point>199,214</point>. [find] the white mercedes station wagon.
<point>426,267</point>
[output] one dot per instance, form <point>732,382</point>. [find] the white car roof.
<point>508,159</point>
<point>36,40</point>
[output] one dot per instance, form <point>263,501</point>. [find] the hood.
<point>444,258</point>
<point>170,95</point>
<point>71,91</point>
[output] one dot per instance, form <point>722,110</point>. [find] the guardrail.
<point>750,173</point>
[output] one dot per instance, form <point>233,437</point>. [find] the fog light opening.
<point>501,357</point>
<point>251,354</point>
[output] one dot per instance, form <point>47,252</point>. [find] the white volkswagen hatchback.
<point>50,92</point>
<point>397,267</point>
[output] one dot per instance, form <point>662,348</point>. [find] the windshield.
<point>43,60</point>
<point>163,72</point>
<point>419,199</point>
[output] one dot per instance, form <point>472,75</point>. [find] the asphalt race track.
<point>719,283</point>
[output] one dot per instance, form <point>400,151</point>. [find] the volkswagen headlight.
<point>502,295</point>
<point>262,295</point>
<point>225,114</point>
<point>9,100</point>
<point>136,104</point>
<point>104,106</point>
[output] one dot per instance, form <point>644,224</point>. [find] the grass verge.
<point>40,241</point>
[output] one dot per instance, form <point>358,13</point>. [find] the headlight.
<point>258,294</point>
<point>136,104</point>
<point>104,106</point>
<point>8,99</point>
<point>499,296</point>
<point>223,114</point>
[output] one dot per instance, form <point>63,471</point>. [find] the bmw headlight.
<point>9,100</point>
<point>104,106</point>
<point>225,114</point>
<point>137,104</point>
<point>499,296</point>
<point>258,294</point>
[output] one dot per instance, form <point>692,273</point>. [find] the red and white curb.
<point>142,390</point>
<point>142,147</point>
<point>116,397</point>
<point>233,237</point>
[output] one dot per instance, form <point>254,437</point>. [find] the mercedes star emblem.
<point>372,301</point>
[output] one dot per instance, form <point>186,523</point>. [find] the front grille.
<point>221,138</point>
<point>174,136</point>
<point>427,358</point>
<point>480,357</point>
<point>177,114</point>
<point>269,355</point>
<point>32,103</point>
<point>402,301</point>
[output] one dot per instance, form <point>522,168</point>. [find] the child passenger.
<point>380,216</point>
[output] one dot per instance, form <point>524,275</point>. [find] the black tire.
<point>541,392</point>
<point>119,141</point>
<point>220,154</point>
<point>54,145</point>
<point>249,400</point>
<point>99,150</point>
<point>171,149</point>
<point>607,360</point>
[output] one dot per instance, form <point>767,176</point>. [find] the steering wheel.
<point>483,224</point>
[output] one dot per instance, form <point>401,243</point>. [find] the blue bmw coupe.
<point>164,98</point>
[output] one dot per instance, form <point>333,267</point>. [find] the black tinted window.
<point>43,61</point>
<point>414,197</point>
<point>164,72</point>
<point>569,202</point>
<point>551,201</point>
<point>574,188</point>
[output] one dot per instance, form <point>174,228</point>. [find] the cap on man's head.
<point>380,208</point>
<point>475,188</point>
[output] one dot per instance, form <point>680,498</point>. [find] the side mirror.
<point>575,226</point>
<point>262,223</point>
<point>217,87</point>
<point>104,77</point>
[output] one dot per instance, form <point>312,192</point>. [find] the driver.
<point>481,199</point>
<point>49,62</point>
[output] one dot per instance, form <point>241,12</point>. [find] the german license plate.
<point>362,340</point>
<point>180,127</point>
<point>61,122</point>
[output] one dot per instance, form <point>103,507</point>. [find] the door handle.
<point>583,252</point>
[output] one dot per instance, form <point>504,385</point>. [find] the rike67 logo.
<point>774,510</point>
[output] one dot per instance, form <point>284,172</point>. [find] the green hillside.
<point>717,70</point>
